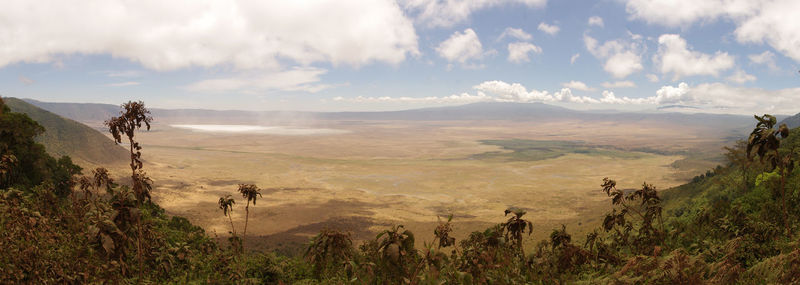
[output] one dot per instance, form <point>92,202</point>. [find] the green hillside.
<point>793,121</point>
<point>63,136</point>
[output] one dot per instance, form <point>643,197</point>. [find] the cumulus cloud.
<point>461,47</point>
<point>444,14</point>
<point>518,52</point>
<point>596,21</point>
<point>515,92</point>
<point>675,95</point>
<point>676,13</point>
<point>765,58</point>
<point>608,97</point>
<point>577,85</point>
<point>548,29</point>
<point>297,79</point>
<point>776,24</point>
<point>622,64</point>
<point>515,33</point>
<point>619,84</point>
<point>241,34</point>
<point>574,58</point>
<point>757,21</point>
<point>652,77</point>
<point>722,98</point>
<point>674,57</point>
<point>707,97</point>
<point>622,57</point>
<point>741,77</point>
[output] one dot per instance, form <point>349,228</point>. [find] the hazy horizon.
<point>660,109</point>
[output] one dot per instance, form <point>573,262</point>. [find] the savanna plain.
<point>362,176</point>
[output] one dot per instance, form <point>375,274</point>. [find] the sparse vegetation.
<point>250,193</point>
<point>533,150</point>
<point>732,225</point>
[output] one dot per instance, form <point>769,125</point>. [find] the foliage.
<point>442,233</point>
<point>329,249</point>
<point>515,227</point>
<point>250,192</point>
<point>631,222</point>
<point>24,163</point>
<point>226,205</point>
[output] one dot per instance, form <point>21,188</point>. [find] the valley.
<point>363,176</point>
<point>364,172</point>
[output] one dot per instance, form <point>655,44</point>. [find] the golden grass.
<point>404,173</point>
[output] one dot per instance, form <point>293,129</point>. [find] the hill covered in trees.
<point>792,122</point>
<point>735,224</point>
<point>63,136</point>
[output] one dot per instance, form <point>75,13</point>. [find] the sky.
<point>712,56</point>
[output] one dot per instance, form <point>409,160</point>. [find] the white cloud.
<point>548,29</point>
<point>518,52</point>
<point>765,58</point>
<point>622,57</point>
<point>245,35</point>
<point>515,33</point>
<point>608,97</point>
<point>707,97</point>
<point>297,79</point>
<point>741,77</point>
<point>515,92</point>
<point>652,77</point>
<point>674,95</point>
<point>461,47</point>
<point>635,37</point>
<point>722,98</point>
<point>445,14</point>
<point>596,21</point>
<point>773,22</point>
<point>577,85</point>
<point>123,84</point>
<point>619,84</point>
<point>622,64</point>
<point>776,24</point>
<point>574,58</point>
<point>674,57</point>
<point>675,13</point>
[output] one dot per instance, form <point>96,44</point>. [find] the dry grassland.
<point>380,173</point>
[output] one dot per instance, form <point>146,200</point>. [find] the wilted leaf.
<point>108,243</point>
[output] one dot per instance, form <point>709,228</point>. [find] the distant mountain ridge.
<point>792,122</point>
<point>91,112</point>
<point>65,136</point>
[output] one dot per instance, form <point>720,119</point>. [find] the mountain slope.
<point>792,122</point>
<point>63,136</point>
<point>96,113</point>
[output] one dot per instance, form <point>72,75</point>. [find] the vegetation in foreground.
<point>738,223</point>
